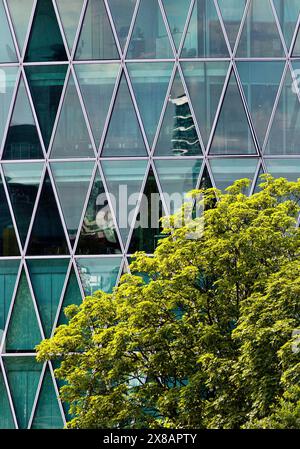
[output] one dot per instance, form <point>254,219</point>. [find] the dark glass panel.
<point>98,234</point>
<point>46,84</point>
<point>23,181</point>
<point>47,237</point>
<point>8,240</point>
<point>47,278</point>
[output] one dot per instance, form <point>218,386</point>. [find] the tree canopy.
<point>201,334</point>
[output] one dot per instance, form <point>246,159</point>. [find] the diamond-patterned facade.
<point>159,95</point>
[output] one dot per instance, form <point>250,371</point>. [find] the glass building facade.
<point>158,95</point>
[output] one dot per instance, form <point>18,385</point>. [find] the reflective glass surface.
<point>8,240</point>
<point>69,12</point>
<point>99,274</point>
<point>226,171</point>
<point>7,48</point>
<point>20,12</point>
<point>122,11</point>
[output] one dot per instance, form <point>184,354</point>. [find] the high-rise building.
<point>100,102</point>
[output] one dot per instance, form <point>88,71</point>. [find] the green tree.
<point>200,335</point>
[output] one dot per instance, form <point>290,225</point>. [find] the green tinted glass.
<point>7,48</point>
<point>232,12</point>
<point>176,14</point>
<point>20,12</point>
<point>284,168</point>
<point>8,76</point>
<point>8,239</point>
<point>99,274</point>
<point>122,11</point>
<point>226,171</point>
<point>70,14</point>
<point>8,276</point>
<point>288,13</point>
<point>72,297</point>
<point>7,421</point>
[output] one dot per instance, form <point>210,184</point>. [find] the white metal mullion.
<point>159,187</point>
<point>11,404</point>
<point>76,271</point>
<point>37,395</point>
<point>278,96</point>
<point>294,38</point>
<point>112,210</point>
<point>166,23</point>
<point>255,177</point>
<point>10,112</point>
<point>29,28</point>
<point>219,108</point>
<point>79,28</point>
<point>62,31</point>
<point>112,26</point>
<point>286,50</point>
<point>212,178</point>
<point>223,27</point>
<point>242,24</point>
<point>132,25</point>
<point>11,28</point>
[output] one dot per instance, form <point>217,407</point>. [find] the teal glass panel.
<point>23,181</point>
<point>124,181</point>
<point>8,240</point>
<point>124,136</point>
<point>23,331</point>
<point>260,36</point>
<point>97,82</point>
<point>284,135</point>
<point>150,82</point>
<point>47,279</point>
<point>204,38</point>
<point>149,39</point>
<point>260,81</point>
<point>45,40</point>
<point>232,134</point>
<point>99,274</point>
<point>147,229</point>
<point>22,141</point>
<point>177,178</point>
<point>47,413</point>
<point>205,83</point>
<point>23,374</point>
<point>232,12</point>
<point>6,418</point>
<point>287,13</point>
<point>72,297</point>
<point>96,40</point>
<point>178,135</point>
<point>46,84</point>
<point>7,48</point>
<point>122,12</point>
<point>72,180</point>
<point>284,168</point>
<point>69,12</point>
<point>296,51</point>
<point>226,171</point>
<point>20,12</point>
<point>71,141</point>
<point>47,237</point>
<point>8,76</point>
<point>176,13</point>
<point>98,234</point>
<point>8,275</point>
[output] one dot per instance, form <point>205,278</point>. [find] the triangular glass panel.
<point>23,332</point>
<point>20,12</point>
<point>204,38</point>
<point>288,13</point>
<point>71,141</point>
<point>46,83</point>
<point>72,297</point>
<point>124,137</point>
<point>47,236</point>
<point>98,234</point>
<point>205,182</point>
<point>178,134</point>
<point>232,13</point>
<point>205,83</point>
<point>7,421</point>
<point>45,40</point>
<point>72,180</point>
<point>232,134</point>
<point>47,413</point>
<point>147,229</point>
<point>149,39</point>
<point>150,81</point>
<point>296,51</point>
<point>23,181</point>
<point>284,168</point>
<point>96,40</point>
<point>70,14</point>
<point>23,375</point>
<point>8,275</point>
<point>260,36</point>
<point>226,171</point>
<point>122,12</point>
<point>284,135</point>
<point>22,140</point>
<point>7,48</point>
<point>99,274</point>
<point>8,240</point>
<point>8,76</point>
<point>97,82</point>
<point>177,178</point>
<point>176,13</point>
<point>124,180</point>
<point>260,81</point>
<point>47,278</point>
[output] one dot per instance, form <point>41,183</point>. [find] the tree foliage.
<point>200,335</point>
